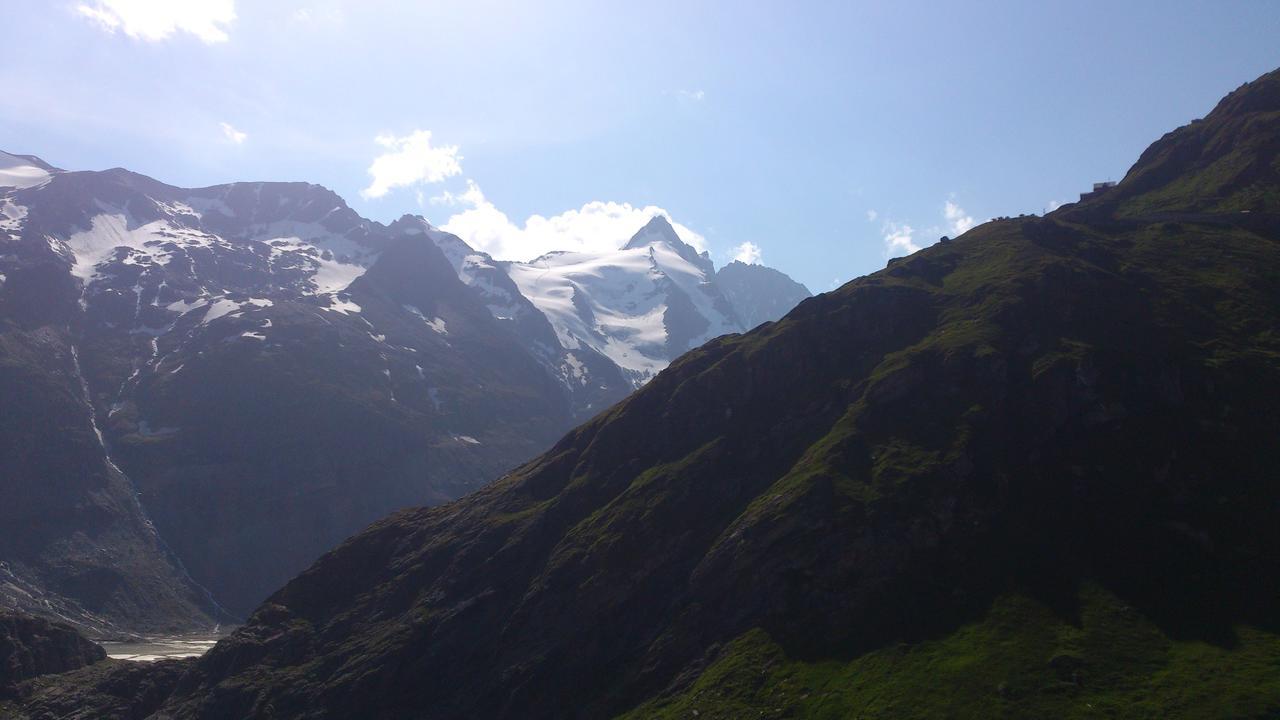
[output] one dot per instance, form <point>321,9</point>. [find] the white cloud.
<point>410,160</point>
<point>471,196</point>
<point>597,226</point>
<point>155,20</point>
<point>872,215</point>
<point>957,220</point>
<point>747,252</point>
<point>1055,204</point>
<point>695,95</point>
<point>898,239</point>
<point>233,135</point>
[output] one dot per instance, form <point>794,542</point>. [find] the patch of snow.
<point>253,335</point>
<point>184,306</point>
<point>331,275</point>
<point>109,231</point>
<point>178,209</point>
<point>218,309</point>
<point>466,439</point>
<point>11,215</point>
<point>333,260</point>
<point>344,306</point>
<point>436,324</point>
<point>576,369</point>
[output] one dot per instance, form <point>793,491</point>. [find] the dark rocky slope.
<point>1027,473</point>
<point>76,543</point>
<point>49,671</point>
<point>31,647</point>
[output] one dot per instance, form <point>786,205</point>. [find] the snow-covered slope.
<point>638,307</point>
<point>19,171</point>
<point>591,381</point>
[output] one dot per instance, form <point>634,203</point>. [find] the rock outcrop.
<point>32,646</point>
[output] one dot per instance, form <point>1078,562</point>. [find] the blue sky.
<point>819,137</point>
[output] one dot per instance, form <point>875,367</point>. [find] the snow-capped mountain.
<point>237,377</point>
<point>638,307</point>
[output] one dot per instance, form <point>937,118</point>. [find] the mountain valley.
<point>1029,472</point>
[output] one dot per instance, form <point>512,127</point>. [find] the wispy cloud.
<point>410,160</point>
<point>471,197</point>
<point>747,252</point>
<point>154,20</point>
<point>898,239</point>
<point>597,226</point>
<point>872,215</point>
<point>694,95</point>
<point>1055,204</point>
<point>232,135</point>
<point>958,221</point>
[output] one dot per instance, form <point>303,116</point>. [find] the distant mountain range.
<point>1030,472</point>
<point>205,389</point>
